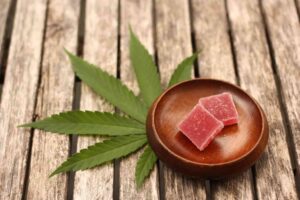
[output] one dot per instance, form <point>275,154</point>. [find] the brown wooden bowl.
<point>234,150</point>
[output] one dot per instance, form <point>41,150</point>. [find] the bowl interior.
<point>232,143</point>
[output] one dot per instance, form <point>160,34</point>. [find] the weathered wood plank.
<point>173,34</point>
<point>139,15</point>
<point>284,30</point>
<point>274,175</point>
<point>19,93</point>
<point>55,95</point>
<point>100,48</point>
<point>211,36</point>
<point>4,8</point>
<point>210,27</point>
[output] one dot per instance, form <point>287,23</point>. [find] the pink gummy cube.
<point>222,107</point>
<point>200,127</point>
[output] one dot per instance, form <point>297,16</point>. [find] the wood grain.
<point>139,15</point>
<point>55,95</point>
<point>173,35</point>
<point>274,169</point>
<point>4,8</point>
<point>19,93</point>
<point>211,36</point>
<point>216,61</point>
<point>100,48</point>
<point>284,30</point>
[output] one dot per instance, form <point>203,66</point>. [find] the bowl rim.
<point>261,112</point>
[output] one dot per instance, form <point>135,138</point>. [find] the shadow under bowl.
<point>235,148</point>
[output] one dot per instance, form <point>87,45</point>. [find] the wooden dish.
<point>234,150</point>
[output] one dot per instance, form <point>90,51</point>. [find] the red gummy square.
<point>200,127</point>
<point>222,107</point>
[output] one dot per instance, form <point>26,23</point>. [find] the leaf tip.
<point>130,28</point>
<point>139,185</point>
<point>69,54</point>
<point>132,34</point>
<point>139,182</point>
<point>197,52</point>
<point>51,175</point>
<point>55,172</point>
<point>25,125</point>
<point>66,51</point>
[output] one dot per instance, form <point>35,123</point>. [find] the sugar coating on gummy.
<point>200,127</point>
<point>222,107</point>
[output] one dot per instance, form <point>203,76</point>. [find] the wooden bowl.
<point>234,150</point>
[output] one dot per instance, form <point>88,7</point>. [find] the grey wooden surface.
<point>252,43</point>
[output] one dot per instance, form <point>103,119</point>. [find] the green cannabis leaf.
<point>183,70</point>
<point>144,165</point>
<point>145,70</point>
<point>103,152</point>
<point>84,123</point>
<point>128,134</point>
<point>107,86</point>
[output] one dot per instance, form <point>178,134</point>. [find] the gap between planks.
<point>173,44</point>
<point>238,82</point>
<point>139,16</point>
<point>57,29</point>
<point>212,34</point>
<point>100,48</point>
<point>76,95</point>
<point>282,103</point>
<point>28,160</point>
<point>297,7</point>
<point>193,40</point>
<point>232,48</point>
<point>160,170</point>
<point>116,178</point>
<point>197,75</point>
<point>259,55</point>
<point>4,49</point>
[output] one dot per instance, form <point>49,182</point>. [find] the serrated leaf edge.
<point>142,163</point>
<point>139,138</point>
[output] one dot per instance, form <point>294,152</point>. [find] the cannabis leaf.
<point>144,165</point>
<point>183,70</point>
<point>83,123</point>
<point>129,133</point>
<point>107,86</point>
<point>102,152</point>
<point>145,70</point>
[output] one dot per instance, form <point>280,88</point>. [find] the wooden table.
<point>255,44</point>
